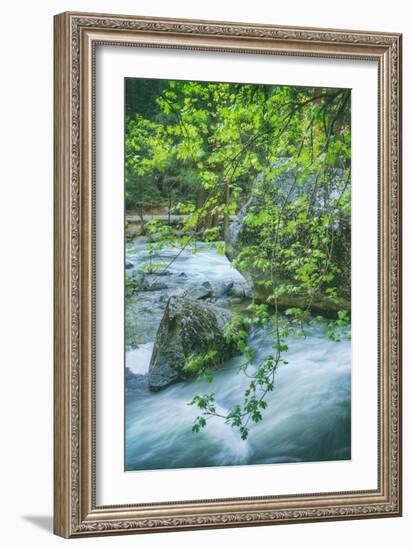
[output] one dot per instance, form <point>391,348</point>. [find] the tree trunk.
<point>169,204</point>
<point>227,201</point>
<point>141,213</point>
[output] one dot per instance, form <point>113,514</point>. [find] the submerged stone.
<point>199,291</point>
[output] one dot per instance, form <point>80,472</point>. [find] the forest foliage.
<point>200,150</point>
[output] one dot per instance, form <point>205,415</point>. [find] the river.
<point>308,417</point>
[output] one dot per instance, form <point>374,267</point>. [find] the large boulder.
<point>189,329</point>
<point>284,188</point>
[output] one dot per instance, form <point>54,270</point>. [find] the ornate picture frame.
<point>76,510</point>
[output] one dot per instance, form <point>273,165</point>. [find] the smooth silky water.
<point>308,417</point>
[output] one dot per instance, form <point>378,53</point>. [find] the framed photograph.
<point>227,274</point>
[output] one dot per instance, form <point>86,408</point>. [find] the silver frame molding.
<point>76,36</point>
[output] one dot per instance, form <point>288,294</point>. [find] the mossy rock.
<point>188,330</point>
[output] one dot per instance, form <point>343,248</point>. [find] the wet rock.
<point>189,329</point>
<point>144,283</point>
<point>155,285</point>
<point>199,291</point>
<point>135,382</point>
<point>220,288</point>
<point>222,302</point>
<point>238,290</point>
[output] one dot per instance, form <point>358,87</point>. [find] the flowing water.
<point>308,417</point>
